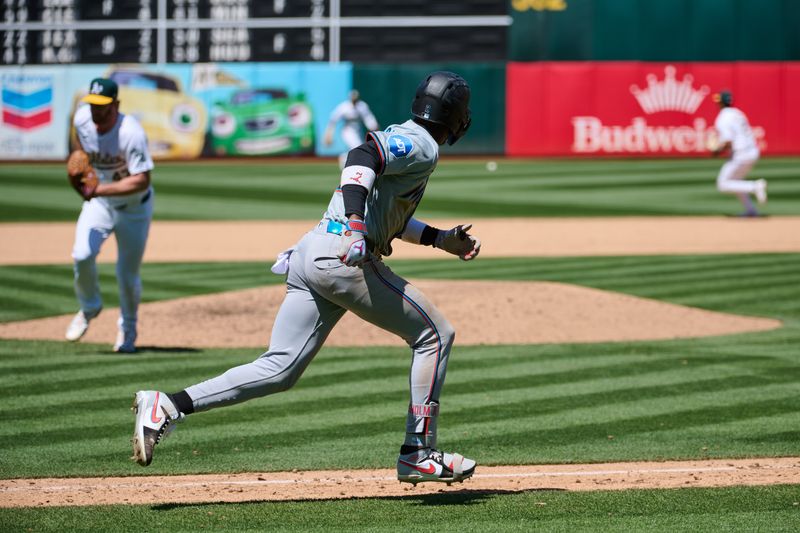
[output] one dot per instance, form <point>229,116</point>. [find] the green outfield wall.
<point>655,30</point>
<point>389,90</point>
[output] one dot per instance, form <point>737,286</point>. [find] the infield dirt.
<point>341,484</point>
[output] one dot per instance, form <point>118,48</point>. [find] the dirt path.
<point>340,484</point>
<point>45,243</point>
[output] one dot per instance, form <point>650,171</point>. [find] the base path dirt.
<point>51,243</point>
<point>342,484</point>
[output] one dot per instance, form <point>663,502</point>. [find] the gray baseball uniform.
<point>320,289</point>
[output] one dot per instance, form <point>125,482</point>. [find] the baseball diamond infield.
<point>559,313</point>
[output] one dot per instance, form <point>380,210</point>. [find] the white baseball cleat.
<point>427,464</point>
<point>155,419</point>
<point>77,328</point>
<point>761,191</point>
<point>126,342</point>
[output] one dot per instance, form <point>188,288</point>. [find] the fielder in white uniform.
<point>123,205</point>
<point>734,134</point>
<point>353,112</point>
<point>337,267</point>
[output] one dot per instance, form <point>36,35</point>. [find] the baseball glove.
<point>81,174</point>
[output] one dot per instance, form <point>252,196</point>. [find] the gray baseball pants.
<point>320,288</point>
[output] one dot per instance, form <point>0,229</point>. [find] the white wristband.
<point>413,231</point>
<point>358,175</point>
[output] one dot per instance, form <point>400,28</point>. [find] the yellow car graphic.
<point>175,122</point>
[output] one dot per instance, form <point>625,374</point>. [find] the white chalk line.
<point>348,480</point>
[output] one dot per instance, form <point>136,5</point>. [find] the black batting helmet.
<point>443,98</point>
<point>724,98</point>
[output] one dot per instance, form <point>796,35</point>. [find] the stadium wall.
<point>520,109</point>
<point>187,110</point>
<point>389,90</point>
<point>194,110</point>
<point>652,30</point>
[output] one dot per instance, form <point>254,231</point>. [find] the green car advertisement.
<point>265,121</point>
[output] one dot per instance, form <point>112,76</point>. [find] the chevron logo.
<point>27,104</point>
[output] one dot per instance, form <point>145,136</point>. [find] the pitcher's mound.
<point>482,312</point>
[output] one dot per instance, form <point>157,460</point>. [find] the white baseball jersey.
<point>732,125</point>
<point>354,114</point>
<point>409,156</point>
<point>118,153</point>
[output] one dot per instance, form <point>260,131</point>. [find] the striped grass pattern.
<point>253,190</point>
<point>65,406</point>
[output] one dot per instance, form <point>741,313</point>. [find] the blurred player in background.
<point>734,134</point>
<point>121,204</point>
<point>354,112</point>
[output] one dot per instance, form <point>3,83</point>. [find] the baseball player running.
<point>734,133</point>
<point>354,111</point>
<point>122,203</point>
<point>337,267</point>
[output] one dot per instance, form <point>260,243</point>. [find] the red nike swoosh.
<point>154,418</point>
<point>429,470</point>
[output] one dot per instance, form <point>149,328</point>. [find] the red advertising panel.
<point>645,109</point>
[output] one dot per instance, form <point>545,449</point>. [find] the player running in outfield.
<point>122,205</point>
<point>337,267</point>
<point>734,134</point>
<point>353,112</point>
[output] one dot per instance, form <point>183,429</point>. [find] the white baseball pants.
<point>731,179</point>
<point>130,226</point>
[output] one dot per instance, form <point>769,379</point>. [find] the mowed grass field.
<point>64,407</point>
<point>261,189</point>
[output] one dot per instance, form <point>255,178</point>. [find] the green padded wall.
<point>389,90</point>
<point>656,30</point>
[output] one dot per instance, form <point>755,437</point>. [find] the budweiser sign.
<point>591,135</point>
<point>669,95</point>
<point>635,108</point>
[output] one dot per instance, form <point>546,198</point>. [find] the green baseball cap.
<point>102,91</point>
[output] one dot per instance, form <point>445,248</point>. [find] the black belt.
<point>144,199</point>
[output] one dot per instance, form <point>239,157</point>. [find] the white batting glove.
<point>458,242</point>
<point>353,248</point>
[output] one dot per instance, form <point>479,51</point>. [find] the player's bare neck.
<point>108,124</point>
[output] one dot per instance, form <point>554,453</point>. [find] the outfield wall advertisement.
<point>645,109</point>
<point>225,109</point>
<point>523,109</point>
